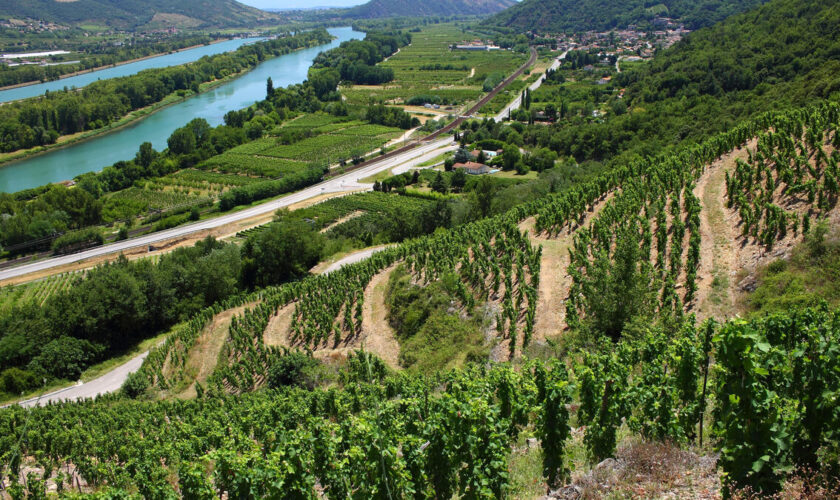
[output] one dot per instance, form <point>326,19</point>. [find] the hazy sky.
<point>296,4</point>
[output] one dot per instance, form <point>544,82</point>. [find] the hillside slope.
<point>408,8</point>
<point>600,15</point>
<point>133,13</point>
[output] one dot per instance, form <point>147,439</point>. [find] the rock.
<point>608,464</point>
<point>570,492</point>
<point>532,443</point>
<point>748,284</point>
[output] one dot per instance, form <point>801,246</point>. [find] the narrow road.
<point>109,382</point>
<point>353,258</point>
<point>517,102</point>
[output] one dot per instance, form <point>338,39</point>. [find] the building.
<point>473,168</point>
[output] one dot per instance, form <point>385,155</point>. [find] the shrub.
<point>135,385</point>
<point>291,370</point>
<point>17,381</point>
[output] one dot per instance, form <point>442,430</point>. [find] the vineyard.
<point>370,206</point>
<point>429,67</point>
<point>763,393</point>
<point>37,292</point>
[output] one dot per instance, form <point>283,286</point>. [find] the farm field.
<point>429,68</point>
<point>37,292</point>
<point>325,140</point>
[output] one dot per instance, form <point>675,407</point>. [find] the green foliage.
<point>290,369</point>
<point>776,398</point>
<point>593,15</point>
<point>280,253</point>
<point>135,385</point>
<point>810,275</point>
<point>77,240</point>
<point>553,422</point>
<point>113,307</point>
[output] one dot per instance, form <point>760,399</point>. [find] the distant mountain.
<point>420,8</point>
<point>136,13</point>
<point>602,15</point>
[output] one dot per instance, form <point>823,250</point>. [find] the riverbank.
<point>6,159</point>
<point>115,65</point>
<point>129,119</point>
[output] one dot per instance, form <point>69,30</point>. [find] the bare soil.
<point>377,335</point>
<point>204,355</point>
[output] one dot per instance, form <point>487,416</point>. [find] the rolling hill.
<point>128,14</point>
<point>600,15</point>
<point>408,8</point>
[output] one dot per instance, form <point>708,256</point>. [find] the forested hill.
<point>134,13</point>
<point>602,15</point>
<point>415,8</point>
<point>783,53</point>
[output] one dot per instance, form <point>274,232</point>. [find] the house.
<point>473,168</point>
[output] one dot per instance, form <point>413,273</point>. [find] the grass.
<point>511,174</point>
<point>810,276</point>
<point>379,176</point>
<point>437,160</point>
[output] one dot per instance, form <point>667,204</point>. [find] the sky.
<point>297,4</point>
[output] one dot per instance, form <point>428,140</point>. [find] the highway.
<point>341,183</point>
<point>405,158</point>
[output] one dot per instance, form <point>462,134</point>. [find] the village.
<point>630,44</point>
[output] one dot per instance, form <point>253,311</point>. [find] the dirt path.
<point>377,335</point>
<point>555,280</point>
<point>204,354</point>
<point>718,234</point>
<point>279,327</point>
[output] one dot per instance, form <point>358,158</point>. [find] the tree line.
<point>40,121</point>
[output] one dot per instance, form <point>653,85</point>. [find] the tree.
<point>434,216</point>
<point>463,156</point>
<point>286,250</point>
<point>146,155</point>
<point>439,184</point>
<point>290,370</point>
<point>482,195</point>
<point>510,157</point>
<point>269,88</point>
<point>182,141</point>
<point>459,180</point>
<point>448,164</point>
<point>551,111</point>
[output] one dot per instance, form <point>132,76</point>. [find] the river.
<point>94,154</point>
<point>164,61</point>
